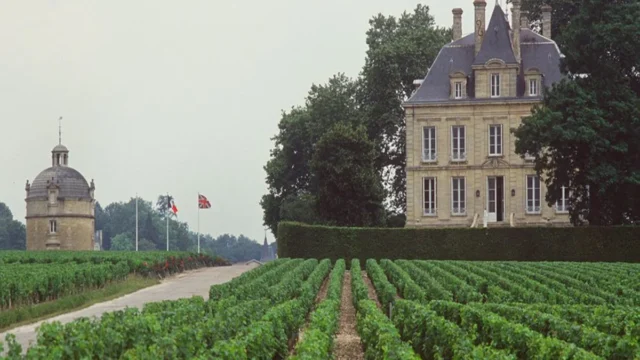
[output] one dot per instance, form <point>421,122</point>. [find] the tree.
<point>586,134</point>
<point>288,173</point>
<point>400,51</point>
<point>162,206</point>
<point>561,14</point>
<point>349,188</point>
<point>13,234</point>
<point>123,242</point>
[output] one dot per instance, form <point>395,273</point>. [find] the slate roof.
<point>537,52</point>
<point>72,184</point>
<point>496,43</point>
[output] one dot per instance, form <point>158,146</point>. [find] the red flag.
<point>203,203</point>
<point>173,207</point>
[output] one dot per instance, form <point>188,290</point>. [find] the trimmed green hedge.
<point>521,243</point>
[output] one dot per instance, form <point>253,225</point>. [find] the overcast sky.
<point>172,96</point>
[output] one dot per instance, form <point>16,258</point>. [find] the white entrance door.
<point>492,208</point>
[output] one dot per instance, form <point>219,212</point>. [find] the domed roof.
<point>71,183</point>
<point>60,148</point>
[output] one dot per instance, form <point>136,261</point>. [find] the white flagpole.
<point>198,223</point>
<point>168,223</point>
<point>136,221</point>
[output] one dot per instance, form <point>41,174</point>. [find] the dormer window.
<point>532,79</point>
<point>533,87</point>
<point>495,85</point>
<point>458,83</point>
<point>458,90</point>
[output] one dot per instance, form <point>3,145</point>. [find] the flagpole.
<point>168,223</point>
<point>198,222</point>
<point>136,221</point>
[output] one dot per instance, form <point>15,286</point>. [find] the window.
<point>533,194</point>
<point>458,196</point>
<point>53,226</point>
<point>533,87</point>
<point>429,144</point>
<point>429,196</point>
<point>495,85</point>
<point>495,140</point>
<point>458,148</point>
<point>562,205</point>
<point>458,90</point>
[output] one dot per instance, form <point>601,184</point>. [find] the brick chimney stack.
<point>515,28</point>
<point>479,27</point>
<point>546,20</point>
<point>457,24</point>
<point>524,20</point>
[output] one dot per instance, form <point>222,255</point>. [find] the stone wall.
<point>75,224</point>
<point>479,165</point>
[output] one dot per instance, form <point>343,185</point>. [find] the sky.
<point>178,97</point>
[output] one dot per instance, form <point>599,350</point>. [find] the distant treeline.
<point>118,224</point>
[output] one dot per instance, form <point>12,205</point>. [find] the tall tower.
<point>60,206</point>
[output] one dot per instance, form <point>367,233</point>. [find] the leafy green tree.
<point>586,135</point>
<point>146,245</point>
<point>349,188</point>
<point>301,208</point>
<point>400,50</point>
<point>13,234</point>
<point>288,173</point>
<point>123,242</point>
<point>561,14</point>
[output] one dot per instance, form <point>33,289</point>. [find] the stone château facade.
<point>60,207</point>
<point>461,156</point>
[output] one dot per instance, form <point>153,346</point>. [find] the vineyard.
<point>291,309</point>
<point>28,278</point>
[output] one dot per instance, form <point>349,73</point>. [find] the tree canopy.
<point>13,234</point>
<point>586,134</point>
<point>400,50</point>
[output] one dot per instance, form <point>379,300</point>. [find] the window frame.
<point>495,85</point>
<point>533,84</point>
<point>533,209</point>
<point>433,151</point>
<point>498,144</point>
<point>565,200</point>
<point>457,91</point>
<point>432,210</point>
<point>462,196</point>
<point>462,143</point>
<point>53,226</point>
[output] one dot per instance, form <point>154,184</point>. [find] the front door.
<point>495,198</point>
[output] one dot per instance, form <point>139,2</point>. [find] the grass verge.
<point>10,319</point>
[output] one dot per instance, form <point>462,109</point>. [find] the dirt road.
<point>185,285</point>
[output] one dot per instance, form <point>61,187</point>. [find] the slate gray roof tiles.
<point>72,184</point>
<point>536,51</point>
<point>496,43</point>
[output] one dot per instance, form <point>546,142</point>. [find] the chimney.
<point>524,20</point>
<point>457,24</point>
<point>515,28</point>
<point>480,27</point>
<point>546,20</point>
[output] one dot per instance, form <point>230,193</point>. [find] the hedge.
<point>610,244</point>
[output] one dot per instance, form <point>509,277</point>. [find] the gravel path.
<point>185,285</point>
<point>347,342</point>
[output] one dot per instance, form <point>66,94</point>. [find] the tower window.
<point>53,226</point>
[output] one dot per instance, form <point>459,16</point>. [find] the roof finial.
<point>60,130</point>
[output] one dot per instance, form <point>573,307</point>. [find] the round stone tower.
<point>60,207</point>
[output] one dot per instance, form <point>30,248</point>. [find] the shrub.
<point>519,243</point>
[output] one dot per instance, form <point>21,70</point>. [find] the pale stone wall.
<point>75,224</point>
<point>479,165</point>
